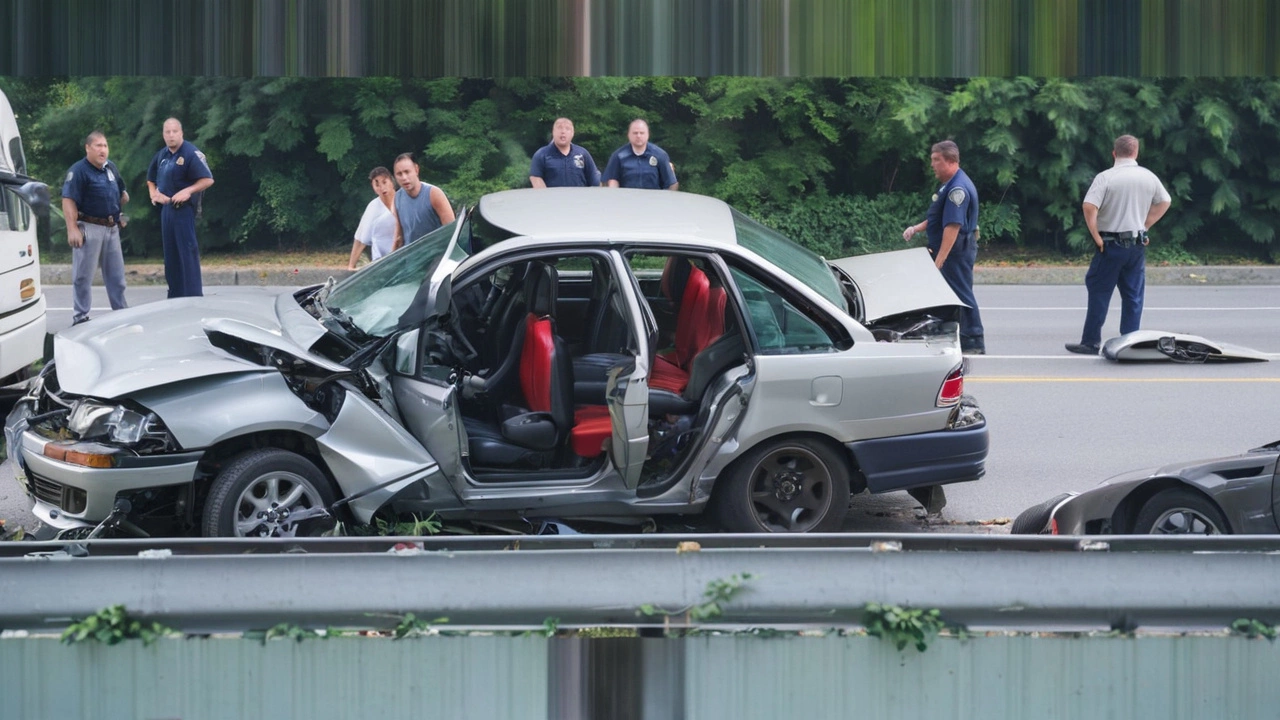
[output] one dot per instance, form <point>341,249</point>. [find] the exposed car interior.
<point>550,331</point>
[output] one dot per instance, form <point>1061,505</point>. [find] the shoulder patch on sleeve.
<point>71,175</point>
<point>957,196</point>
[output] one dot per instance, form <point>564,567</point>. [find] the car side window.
<point>780,327</point>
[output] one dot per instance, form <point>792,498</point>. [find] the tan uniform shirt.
<point>1123,195</point>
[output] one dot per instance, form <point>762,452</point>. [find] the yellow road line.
<point>1033,378</point>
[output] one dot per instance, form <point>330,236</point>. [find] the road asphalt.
<point>152,274</point>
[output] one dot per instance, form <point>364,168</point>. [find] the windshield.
<point>795,260</point>
<point>375,298</point>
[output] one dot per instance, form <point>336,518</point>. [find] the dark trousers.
<point>1115,266</point>
<point>958,272</point>
<point>181,253</point>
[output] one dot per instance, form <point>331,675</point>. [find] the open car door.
<point>627,391</point>
<point>425,378</point>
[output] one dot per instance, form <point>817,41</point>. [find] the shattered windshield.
<point>374,299</point>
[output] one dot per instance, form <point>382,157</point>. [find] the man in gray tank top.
<point>419,207</point>
<point>1121,206</point>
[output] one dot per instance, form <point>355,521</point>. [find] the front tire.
<point>788,485</point>
<point>1179,511</point>
<point>258,494</point>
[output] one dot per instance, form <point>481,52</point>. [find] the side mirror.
<point>406,360</point>
<point>35,194</point>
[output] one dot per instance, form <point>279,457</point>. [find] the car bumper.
<point>911,461</point>
<point>68,496</point>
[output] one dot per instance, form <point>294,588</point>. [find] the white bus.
<point>22,303</point>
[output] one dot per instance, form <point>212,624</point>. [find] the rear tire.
<point>257,493</point>
<point>795,485</point>
<point>1179,511</point>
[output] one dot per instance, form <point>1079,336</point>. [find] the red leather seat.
<point>532,435</point>
<point>699,323</point>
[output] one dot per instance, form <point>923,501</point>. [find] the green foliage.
<point>113,625</point>
<point>1252,629</point>
<point>842,163</point>
<point>718,593</point>
<point>284,631</point>
<point>411,626</point>
<point>905,626</point>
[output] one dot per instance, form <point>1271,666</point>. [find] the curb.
<point>60,274</point>
<point>1156,275</point>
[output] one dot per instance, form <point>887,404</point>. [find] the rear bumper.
<point>911,461</point>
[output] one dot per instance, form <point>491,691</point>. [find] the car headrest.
<point>540,289</point>
<point>675,275</point>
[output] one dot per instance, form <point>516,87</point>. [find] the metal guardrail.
<point>826,580</point>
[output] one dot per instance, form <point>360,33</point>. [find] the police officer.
<point>560,163</point>
<point>1121,206</point>
<point>177,174</point>
<point>640,163</point>
<point>952,225</point>
<point>91,199</point>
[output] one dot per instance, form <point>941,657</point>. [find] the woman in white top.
<point>377,229</point>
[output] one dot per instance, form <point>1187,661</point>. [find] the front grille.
<point>47,490</point>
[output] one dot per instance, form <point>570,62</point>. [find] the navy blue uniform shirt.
<point>651,171</point>
<point>956,202</point>
<point>96,192</point>
<point>576,169</point>
<point>174,171</point>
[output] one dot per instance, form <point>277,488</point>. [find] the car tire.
<point>784,485</point>
<point>257,492</point>
<point>1179,511</point>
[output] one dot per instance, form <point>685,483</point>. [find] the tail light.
<point>952,388</point>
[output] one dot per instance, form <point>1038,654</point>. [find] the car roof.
<point>609,213</point>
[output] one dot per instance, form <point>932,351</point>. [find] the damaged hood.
<point>1149,345</point>
<point>167,341</point>
<point>894,283</point>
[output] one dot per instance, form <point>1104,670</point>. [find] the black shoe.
<point>79,320</point>
<point>1082,348</point>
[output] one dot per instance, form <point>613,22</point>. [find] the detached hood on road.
<point>163,342</point>
<point>894,283</point>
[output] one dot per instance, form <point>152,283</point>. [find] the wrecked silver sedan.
<point>566,353</point>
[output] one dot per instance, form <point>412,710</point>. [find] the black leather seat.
<point>544,427</point>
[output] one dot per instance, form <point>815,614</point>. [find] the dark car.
<point>1229,495</point>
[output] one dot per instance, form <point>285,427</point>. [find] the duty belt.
<point>105,222</point>
<point>1125,239</point>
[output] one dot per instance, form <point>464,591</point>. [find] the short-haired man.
<point>178,175</point>
<point>952,225</point>
<point>1121,206</point>
<point>377,229</point>
<point>419,207</point>
<point>560,163</point>
<point>640,163</point>
<point>91,198</point>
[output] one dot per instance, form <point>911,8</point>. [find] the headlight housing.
<point>90,419</point>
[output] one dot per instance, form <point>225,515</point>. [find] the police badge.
<point>578,162</point>
<point>181,160</point>
<point>934,198</point>
<point>653,161</point>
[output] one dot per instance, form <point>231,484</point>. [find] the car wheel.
<point>268,493</point>
<point>1179,511</point>
<point>791,485</point>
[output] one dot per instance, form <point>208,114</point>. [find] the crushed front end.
<point>74,456</point>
